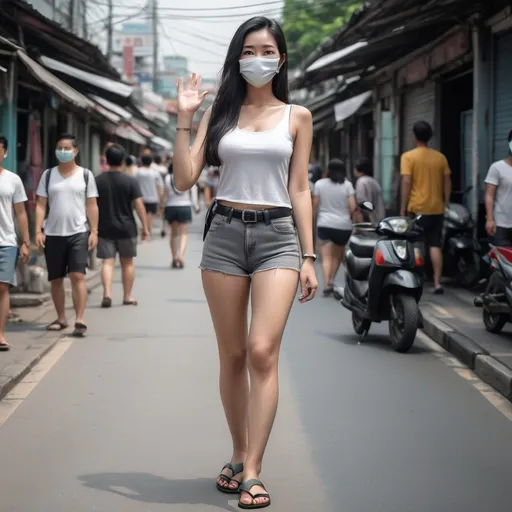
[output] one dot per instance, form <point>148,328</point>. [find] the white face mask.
<point>259,71</point>
<point>510,146</point>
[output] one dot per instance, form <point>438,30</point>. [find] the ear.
<point>282,61</point>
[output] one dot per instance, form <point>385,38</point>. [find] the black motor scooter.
<point>461,252</point>
<point>496,302</point>
<point>384,278</point>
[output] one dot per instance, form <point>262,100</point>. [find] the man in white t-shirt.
<point>498,200</point>
<point>12,195</point>
<point>70,231</point>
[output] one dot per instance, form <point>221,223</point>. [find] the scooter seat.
<point>357,268</point>
<point>363,244</point>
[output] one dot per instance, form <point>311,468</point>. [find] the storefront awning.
<point>348,108</point>
<point>335,56</point>
<point>165,144</point>
<point>142,128</point>
<point>113,107</point>
<point>127,132</point>
<point>101,82</point>
<point>65,91</point>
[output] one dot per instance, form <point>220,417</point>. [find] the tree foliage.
<point>307,23</point>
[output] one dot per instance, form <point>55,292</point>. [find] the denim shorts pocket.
<point>283,225</point>
<point>217,222</point>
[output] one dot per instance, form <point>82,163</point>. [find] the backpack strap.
<point>47,184</point>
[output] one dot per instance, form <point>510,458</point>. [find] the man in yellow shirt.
<point>426,190</point>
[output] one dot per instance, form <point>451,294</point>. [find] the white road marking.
<point>491,395</point>
<point>23,389</point>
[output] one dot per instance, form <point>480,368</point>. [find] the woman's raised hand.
<point>189,98</point>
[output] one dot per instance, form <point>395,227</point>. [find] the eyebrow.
<point>262,45</point>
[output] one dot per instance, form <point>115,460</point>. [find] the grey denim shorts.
<point>241,249</point>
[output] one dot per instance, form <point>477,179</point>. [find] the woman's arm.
<point>189,161</point>
<point>298,186</point>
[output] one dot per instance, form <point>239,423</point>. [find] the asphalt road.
<point>129,419</point>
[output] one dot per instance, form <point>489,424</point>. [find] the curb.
<point>14,373</point>
<point>486,367</point>
<point>33,300</point>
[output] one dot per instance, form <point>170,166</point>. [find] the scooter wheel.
<point>360,324</point>
<point>404,326</point>
<point>494,323</point>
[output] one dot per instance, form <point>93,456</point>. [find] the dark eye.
<point>248,52</point>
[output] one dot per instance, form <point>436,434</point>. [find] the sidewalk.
<point>453,322</point>
<point>27,335</point>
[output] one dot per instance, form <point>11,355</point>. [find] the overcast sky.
<point>189,30</point>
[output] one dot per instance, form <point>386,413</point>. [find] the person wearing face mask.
<point>68,194</point>
<point>261,145</point>
<point>498,200</point>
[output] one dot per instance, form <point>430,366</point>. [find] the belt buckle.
<point>253,216</point>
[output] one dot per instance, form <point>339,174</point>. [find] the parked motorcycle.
<point>461,252</point>
<point>384,278</point>
<point>497,299</point>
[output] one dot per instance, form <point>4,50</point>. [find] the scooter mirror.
<point>366,206</point>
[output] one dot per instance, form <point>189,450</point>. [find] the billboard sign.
<point>140,37</point>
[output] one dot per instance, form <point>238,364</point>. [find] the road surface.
<point>129,419</point>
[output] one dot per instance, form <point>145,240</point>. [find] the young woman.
<point>334,204</point>
<point>178,214</point>
<point>261,145</point>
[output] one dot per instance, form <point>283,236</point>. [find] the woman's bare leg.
<point>338,255</point>
<point>183,232</point>
<point>228,298</point>
<point>174,241</point>
<point>327,262</point>
<point>272,296</point>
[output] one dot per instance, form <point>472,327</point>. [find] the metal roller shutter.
<point>419,104</point>
<point>502,94</point>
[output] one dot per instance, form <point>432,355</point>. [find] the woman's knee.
<point>263,355</point>
<point>234,360</point>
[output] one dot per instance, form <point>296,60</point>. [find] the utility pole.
<point>110,30</point>
<point>72,15</point>
<point>84,14</point>
<point>155,44</point>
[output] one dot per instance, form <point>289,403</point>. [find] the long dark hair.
<point>232,89</point>
<point>336,171</point>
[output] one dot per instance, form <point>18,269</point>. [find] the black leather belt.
<point>253,216</point>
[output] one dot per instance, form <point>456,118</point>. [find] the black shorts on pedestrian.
<point>125,247</point>
<point>503,237</point>
<point>336,236</point>
<point>432,229</point>
<point>181,214</point>
<point>66,254</point>
<point>151,208</point>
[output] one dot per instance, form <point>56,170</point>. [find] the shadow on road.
<point>148,488</point>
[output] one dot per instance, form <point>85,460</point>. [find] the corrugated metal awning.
<point>102,82</point>
<point>125,131</point>
<point>335,56</point>
<point>165,144</point>
<point>113,107</point>
<point>348,108</point>
<point>65,91</point>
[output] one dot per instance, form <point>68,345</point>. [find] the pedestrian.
<point>211,185</point>
<point>334,204</point>
<point>69,193</point>
<point>498,200</point>
<point>118,196</point>
<point>162,169</point>
<point>426,190</point>
<point>130,165</point>
<point>261,145</point>
<point>12,197</point>
<point>178,214</point>
<point>368,190</point>
<point>151,185</point>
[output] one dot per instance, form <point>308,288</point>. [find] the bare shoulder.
<point>301,114</point>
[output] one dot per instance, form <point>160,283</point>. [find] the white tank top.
<point>255,165</point>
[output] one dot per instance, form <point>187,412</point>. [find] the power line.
<point>185,9</point>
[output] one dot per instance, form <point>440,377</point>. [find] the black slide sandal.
<point>80,330</point>
<point>246,487</point>
<point>132,302</point>
<point>5,347</point>
<point>61,326</point>
<point>235,469</point>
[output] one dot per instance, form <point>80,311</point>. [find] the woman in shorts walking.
<point>334,204</point>
<point>178,214</point>
<point>151,186</point>
<point>261,145</point>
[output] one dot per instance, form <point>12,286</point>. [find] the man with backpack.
<point>67,193</point>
